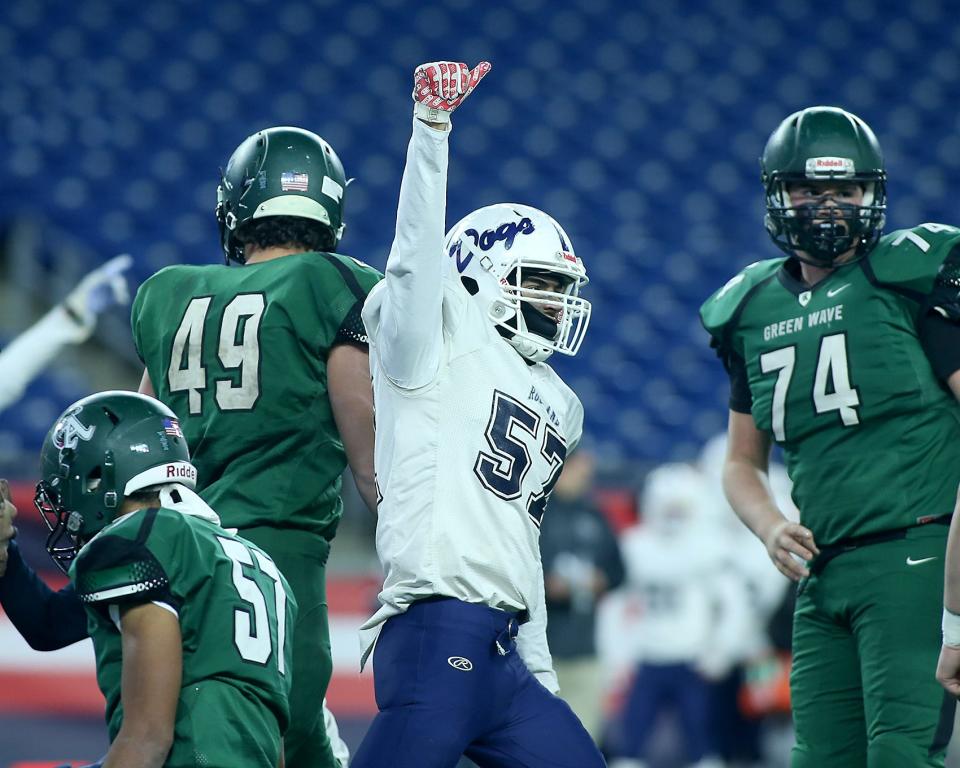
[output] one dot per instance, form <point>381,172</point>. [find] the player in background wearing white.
<point>691,606</point>
<point>472,428</point>
<point>70,322</point>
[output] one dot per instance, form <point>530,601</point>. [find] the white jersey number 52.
<point>503,469</point>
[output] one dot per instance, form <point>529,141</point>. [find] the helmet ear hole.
<point>92,483</point>
<point>471,285</point>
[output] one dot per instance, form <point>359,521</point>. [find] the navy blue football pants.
<point>449,682</point>
<point>660,687</point>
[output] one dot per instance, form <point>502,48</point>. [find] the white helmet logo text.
<point>70,430</point>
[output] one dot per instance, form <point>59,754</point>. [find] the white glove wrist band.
<point>951,628</point>
<point>423,112</point>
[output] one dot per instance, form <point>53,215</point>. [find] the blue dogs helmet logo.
<point>456,252</point>
<point>506,233</point>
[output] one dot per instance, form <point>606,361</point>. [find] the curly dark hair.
<point>293,231</point>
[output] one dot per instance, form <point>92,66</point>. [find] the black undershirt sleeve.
<point>352,330</point>
<point>940,338</point>
<point>741,400</point>
<point>939,327</point>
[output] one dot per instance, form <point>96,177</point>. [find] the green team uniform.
<point>233,613</point>
<point>871,438</point>
<point>239,353</point>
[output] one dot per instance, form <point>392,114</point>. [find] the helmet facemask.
<point>818,233</point>
<point>63,525</point>
<point>557,316</point>
<point>70,527</point>
<point>811,147</point>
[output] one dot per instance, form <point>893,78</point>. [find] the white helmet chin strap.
<point>535,353</point>
<point>504,316</point>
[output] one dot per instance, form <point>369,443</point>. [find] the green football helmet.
<point>102,449</point>
<point>280,171</point>
<point>822,144</point>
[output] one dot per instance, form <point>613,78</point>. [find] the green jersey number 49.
<point>238,349</point>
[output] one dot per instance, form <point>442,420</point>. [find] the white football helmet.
<point>494,249</point>
<point>673,499</point>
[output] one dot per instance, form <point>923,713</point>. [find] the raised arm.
<point>408,331</point>
<point>70,322</point>
<point>47,620</point>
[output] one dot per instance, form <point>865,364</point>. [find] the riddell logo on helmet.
<point>830,166</point>
<point>181,471</point>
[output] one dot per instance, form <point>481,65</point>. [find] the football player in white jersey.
<point>472,431</point>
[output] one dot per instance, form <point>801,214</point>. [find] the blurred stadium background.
<point>636,125</point>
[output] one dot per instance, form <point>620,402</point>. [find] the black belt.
<point>831,551</point>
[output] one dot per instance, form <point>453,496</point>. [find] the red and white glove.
<point>439,87</point>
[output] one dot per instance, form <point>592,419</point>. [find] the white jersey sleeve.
<point>30,352</point>
<point>575,419</point>
<point>403,312</point>
<point>532,641</point>
<point>341,752</point>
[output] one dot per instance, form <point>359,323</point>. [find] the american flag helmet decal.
<point>294,181</point>
<point>172,427</point>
